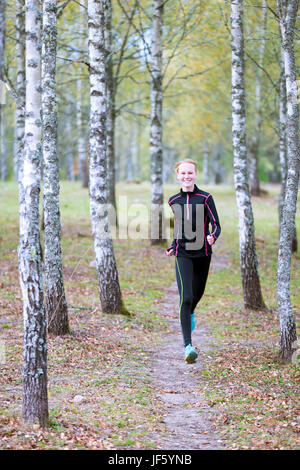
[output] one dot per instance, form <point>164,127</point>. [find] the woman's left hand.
<point>210,239</point>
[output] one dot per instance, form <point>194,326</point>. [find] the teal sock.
<point>193,321</point>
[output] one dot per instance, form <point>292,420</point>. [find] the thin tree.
<point>81,150</point>
<point>69,149</point>
<point>2,36</point>
<point>287,13</point>
<point>282,114</point>
<point>3,151</point>
<point>82,163</point>
<point>282,137</point>
<point>3,161</point>
<point>20,88</point>
<point>35,397</point>
<point>113,71</point>
<point>111,112</point>
<point>205,162</point>
<point>156,144</point>
<point>108,280</point>
<point>55,299</point>
<point>254,141</point>
<point>158,88</point>
<point>248,258</point>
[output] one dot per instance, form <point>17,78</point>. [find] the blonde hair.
<point>188,160</point>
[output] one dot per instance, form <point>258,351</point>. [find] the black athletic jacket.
<point>183,205</point>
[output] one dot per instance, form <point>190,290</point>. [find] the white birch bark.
<point>129,155</point>
<point>3,146</point>
<point>2,35</point>
<point>35,399</point>
<point>167,163</point>
<point>138,149</point>
<point>108,281</point>
<point>119,146</point>
<point>55,299</point>
<point>205,163</point>
<point>254,141</point>
<point>82,163</point>
<point>3,163</point>
<point>15,147</point>
<point>282,138</point>
<point>20,88</point>
<point>111,112</point>
<point>69,150</point>
<point>248,259</point>
<point>287,12</point>
<point>156,148</point>
<point>217,167</point>
<point>283,149</point>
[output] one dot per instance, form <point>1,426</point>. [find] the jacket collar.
<point>189,192</point>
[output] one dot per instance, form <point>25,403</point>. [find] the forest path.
<point>187,415</point>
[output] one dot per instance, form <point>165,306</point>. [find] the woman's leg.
<point>184,277</point>
<point>200,274</point>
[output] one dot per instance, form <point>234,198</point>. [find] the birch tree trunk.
<point>108,281</point>
<point>69,150</point>
<point>253,149</point>
<point>168,163</point>
<point>55,299</point>
<point>20,106</point>
<point>111,113</point>
<point>2,48</point>
<point>138,149</point>
<point>217,167</point>
<point>282,138</point>
<point>129,155</point>
<point>156,149</point>
<point>294,240</point>
<point>82,163</point>
<point>35,399</point>
<point>3,147</point>
<point>254,141</point>
<point>248,259</point>
<point>283,149</point>
<point>118,151</point>
<point>15,146</point>
<point>205,163</point>
<point>2,36</point>
<point>287,12</point>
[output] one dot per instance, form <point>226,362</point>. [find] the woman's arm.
<point>213,217</point>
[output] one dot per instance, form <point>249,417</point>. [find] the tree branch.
<point>263,69</point>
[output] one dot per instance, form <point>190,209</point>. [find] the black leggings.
<point>191,275</point>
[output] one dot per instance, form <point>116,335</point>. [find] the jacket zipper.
<point>188,211</point>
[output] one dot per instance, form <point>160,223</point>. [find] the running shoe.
<point>193,321</point>
<point>190,354</point>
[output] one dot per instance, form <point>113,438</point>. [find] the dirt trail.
<point>187,415</point>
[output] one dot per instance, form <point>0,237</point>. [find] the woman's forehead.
<point>186,167</point>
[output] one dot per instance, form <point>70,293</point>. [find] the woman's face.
<point>186,175</point>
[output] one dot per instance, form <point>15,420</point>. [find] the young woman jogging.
<point>193,210</point>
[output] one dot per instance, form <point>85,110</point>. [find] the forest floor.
<point>121,382</point>
<point>188,417</point>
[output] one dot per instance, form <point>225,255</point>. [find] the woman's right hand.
<point>170,252</point>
